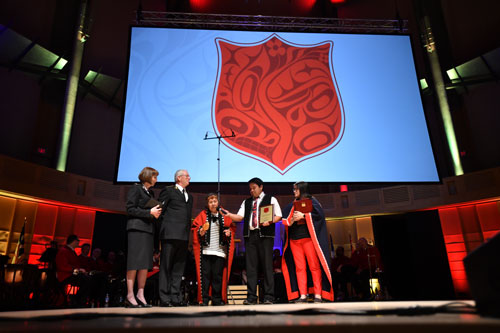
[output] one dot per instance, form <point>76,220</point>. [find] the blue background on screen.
<point>172,73</point>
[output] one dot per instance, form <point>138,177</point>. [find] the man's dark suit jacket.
<point>176,216</point>
<point>139,218</point>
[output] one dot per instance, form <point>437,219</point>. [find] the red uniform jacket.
<point>66,262</point>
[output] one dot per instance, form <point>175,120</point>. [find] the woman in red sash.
<point>213,247</point>
<point>306,248</point>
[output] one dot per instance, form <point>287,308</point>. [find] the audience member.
<point>69,270</point>
<point>84,258</point>
<point>367,262</point>
<point>342,273</point>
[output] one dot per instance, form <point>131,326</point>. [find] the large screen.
<point>282,106</point>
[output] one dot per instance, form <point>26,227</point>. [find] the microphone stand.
<point>219,137</point>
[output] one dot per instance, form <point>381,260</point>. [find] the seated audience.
<point>69,270</point>
<point>84,258</point>
<point>342,272</point>
<point>367,262</point>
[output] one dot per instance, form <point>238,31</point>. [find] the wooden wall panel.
<point>43,234</point>
<point>84,224</point>
<point>465,228</point>
<point>489,218</point>
<point>454,239</point>
<point>7,209</point>
<point>64,225</point>
<point>24,210</point>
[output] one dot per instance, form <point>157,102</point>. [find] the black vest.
<point>264,231</point>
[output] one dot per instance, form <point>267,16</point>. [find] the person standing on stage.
<point>259,239</point>
<point>306,239</point>
<point>140,234</point>
<point>213,248</point>
<point>175,228</point>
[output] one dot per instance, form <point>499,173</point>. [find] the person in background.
<point>213,248</point>
<point>367,262</point>
<point>140,231</point>
<point>85,261</point>
<point>48,257</point>
<point>342,272</point>
<point>306,240</point>
<point>69,270</point>
<point>259,239</point>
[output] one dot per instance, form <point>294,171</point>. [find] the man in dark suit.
<point>175,228</point>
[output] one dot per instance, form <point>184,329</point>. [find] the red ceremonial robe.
<point>197,223</point>
<point>316,225</point>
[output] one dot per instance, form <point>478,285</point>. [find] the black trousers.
<point>173,260</point>
<point>259,254</point>
<point>340,279</point>
<point>211,273</point>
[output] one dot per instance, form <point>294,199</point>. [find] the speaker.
<point>482,267</point>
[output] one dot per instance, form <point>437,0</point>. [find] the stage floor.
<point>311,318</point>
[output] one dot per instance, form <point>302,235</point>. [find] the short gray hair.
<point>178,173</point>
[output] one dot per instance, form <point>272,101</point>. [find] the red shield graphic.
<point>280,100</point>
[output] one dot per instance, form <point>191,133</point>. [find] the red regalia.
<point>316,226</point>
<point>197,252</point>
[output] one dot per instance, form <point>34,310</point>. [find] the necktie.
<point>184,194</point>
<point>254,215</point>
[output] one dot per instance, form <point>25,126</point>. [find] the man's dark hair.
<point>86,244</point>
<point>256,181</point>
<point>71,239</point>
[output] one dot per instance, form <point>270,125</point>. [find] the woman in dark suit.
<point>140,230</point>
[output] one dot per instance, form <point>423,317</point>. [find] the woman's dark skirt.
<point>140,250</point>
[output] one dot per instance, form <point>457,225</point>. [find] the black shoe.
<point>166,304</point>
<point>181,303</point>
<point>318,300</point>
<point>249,302</point>
<point>218,303</point>
<point>127,304</point>
<point>268,301</point>
<point>300,300</point>
<point>142,304</point>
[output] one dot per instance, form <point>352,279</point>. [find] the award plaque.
<point>304,206</point>
<point>266,214</point>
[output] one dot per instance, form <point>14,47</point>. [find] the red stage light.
<point>200,5</point>
<point>305,5</point>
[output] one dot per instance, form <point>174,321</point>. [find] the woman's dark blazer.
<point>139,218</point>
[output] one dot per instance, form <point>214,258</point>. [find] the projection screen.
<point>291,106</point>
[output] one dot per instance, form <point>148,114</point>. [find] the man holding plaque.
<point>259,213</point>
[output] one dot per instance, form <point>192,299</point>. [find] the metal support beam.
<point>72,88</point>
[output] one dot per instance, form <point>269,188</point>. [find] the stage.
<point>415,316</point>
